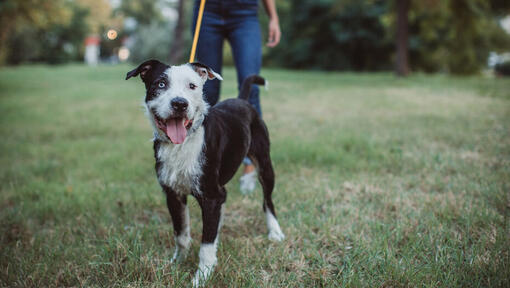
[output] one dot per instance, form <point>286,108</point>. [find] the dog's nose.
<point>179,104</point>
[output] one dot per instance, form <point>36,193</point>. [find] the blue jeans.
<point>236,21</point>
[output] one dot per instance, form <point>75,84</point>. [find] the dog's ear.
<point>143,69</point>
<point>204,71</point>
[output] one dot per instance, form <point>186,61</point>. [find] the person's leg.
<point>210,50</point>
<point>245,39</point>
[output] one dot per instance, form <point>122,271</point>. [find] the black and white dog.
<point>199,148</point>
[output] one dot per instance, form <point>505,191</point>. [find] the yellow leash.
<point>197,31</point>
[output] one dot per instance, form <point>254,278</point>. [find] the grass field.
<point>381,182</point>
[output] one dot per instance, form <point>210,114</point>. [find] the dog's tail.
<point>246,87</point>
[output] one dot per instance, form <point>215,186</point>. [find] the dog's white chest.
<point>182,164</point>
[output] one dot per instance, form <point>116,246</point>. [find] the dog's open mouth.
<point>175,128</point>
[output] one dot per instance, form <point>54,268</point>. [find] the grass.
<point>381,182</point>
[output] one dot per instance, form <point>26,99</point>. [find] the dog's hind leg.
<point>180,219</point>
<point>212,218</point>
<point>266,177</point>
<point>259,152</point>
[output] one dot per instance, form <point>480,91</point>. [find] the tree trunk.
<point>6,25</point>
<point>177,49</point>
<point>402,63</point>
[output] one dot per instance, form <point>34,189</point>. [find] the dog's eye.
<point>192,86</point>
<point>161,84</point>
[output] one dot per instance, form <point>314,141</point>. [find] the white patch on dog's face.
<point>181,81</point>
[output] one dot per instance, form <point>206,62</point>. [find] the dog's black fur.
<point>233,130</point>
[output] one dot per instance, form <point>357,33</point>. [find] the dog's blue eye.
<point>192,86</point>
<point>161,85</point>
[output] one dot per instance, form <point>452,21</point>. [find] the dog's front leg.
<point>212,211</point>
<point>180,219</point>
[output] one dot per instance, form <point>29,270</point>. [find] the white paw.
<point>275,232</point>
<point>208,260</point>
<point>182,244</point>
<point>276,236</point>
<point>201,276</point>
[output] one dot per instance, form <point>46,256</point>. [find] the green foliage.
<point>454,36</point>
<point>55,43</point>
<point>468,45</point>
<point>345,35</point>
<point>444,36</point>
<point>429,30</point>
<point>153,36</point>
<point>151,41</point>
<point>38,14</point>
<point>144,11</point>
<point>24,45</point>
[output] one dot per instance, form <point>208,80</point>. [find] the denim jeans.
<point>237,21</point>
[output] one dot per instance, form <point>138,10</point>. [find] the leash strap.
<point>197,31</point>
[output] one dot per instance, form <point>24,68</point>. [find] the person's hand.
<point>274,33</point>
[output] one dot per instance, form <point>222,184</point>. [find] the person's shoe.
<point>247,182</point>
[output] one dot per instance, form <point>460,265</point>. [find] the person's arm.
<point>274,32</point>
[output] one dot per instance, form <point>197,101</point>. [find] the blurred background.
<point>448,36</point>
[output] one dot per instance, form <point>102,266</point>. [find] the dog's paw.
<point>201,276</point>
<point>276,236</point>
<point>197,281</point>
<point>206,265</point>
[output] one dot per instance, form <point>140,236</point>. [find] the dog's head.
<point>174,98</point>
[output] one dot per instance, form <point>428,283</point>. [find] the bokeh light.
<point>111,34</point>
<point>123,54</point>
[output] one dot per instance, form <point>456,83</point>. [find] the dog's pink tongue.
<point>175,130</point>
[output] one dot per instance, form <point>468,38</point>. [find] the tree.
<point>144,11</point>
<point>100,15</point>
<point>334,35</point>
<point>455,36</point>
<point>15,14</point>
<point>55,43</point>
<point>451,36</point>
<point>402,38</point>
<point>51,31</point>
<point>157,36</point>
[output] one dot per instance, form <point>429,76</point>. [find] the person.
<point>237,22</point>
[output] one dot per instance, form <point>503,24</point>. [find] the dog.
<point>198,149</point>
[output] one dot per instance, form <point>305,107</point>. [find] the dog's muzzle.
<point>177,125</point>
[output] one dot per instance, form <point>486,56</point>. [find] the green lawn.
<point>381,182</point>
